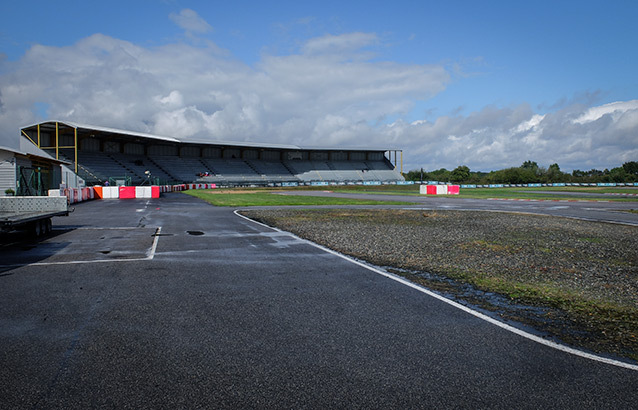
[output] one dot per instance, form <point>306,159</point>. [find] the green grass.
<point>266,197</point>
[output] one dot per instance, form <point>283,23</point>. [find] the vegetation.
<point>528,172</point>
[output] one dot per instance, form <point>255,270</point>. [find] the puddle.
<point>533,318</point>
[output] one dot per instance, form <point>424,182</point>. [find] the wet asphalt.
<point>173,303</point>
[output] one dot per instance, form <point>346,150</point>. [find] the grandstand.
<point>100,154</point>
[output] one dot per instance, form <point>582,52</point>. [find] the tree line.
<point>529,172</point>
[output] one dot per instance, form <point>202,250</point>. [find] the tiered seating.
<point>348,170</point>
<point>97,167</point>
<point>309,170</point>
<point>184,169</point>
<point>232,170</point>
<point>383,171</point>
<point>139,164</point>
<point>274,171</point>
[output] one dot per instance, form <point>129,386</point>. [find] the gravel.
<point>584,262</point>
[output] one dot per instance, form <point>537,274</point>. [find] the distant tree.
<point>412,175</point>
<point>532,166</point>
<point>417,175</point>
<point>631,168</point>
<point>618,175</point>
<point>460,174</point>
<point>517,175</point>
<point>528,172</point>
<point>554,174</point>
<point>442,175</point>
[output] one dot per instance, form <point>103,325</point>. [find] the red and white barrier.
<point>123,192</point>
<point>439,189</point>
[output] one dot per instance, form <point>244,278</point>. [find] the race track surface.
<point>173,303</point>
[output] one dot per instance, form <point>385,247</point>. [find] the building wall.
<point>7,172</point>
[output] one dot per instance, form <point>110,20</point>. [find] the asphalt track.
<point>173,303</point>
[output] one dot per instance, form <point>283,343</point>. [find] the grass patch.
<point>263,197</point>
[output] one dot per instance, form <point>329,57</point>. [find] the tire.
<point>37,229</point>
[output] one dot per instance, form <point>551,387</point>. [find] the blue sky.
<point>485,84</point>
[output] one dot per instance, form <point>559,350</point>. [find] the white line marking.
<point>150,254</point>
<point>479,315</point>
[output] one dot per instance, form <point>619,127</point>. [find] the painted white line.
<point>150,254</point>
<point>81,262</point>
<point>479,315</point>
<point>99,228</point>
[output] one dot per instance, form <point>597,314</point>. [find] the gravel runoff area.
<point>570,280</point>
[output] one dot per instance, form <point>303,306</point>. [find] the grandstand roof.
<point>50,124</point>
<point>40,156</point>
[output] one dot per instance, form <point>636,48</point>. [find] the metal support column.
<point>57,141</point>
<point>75,145</point>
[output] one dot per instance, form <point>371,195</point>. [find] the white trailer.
<point>32,213</point>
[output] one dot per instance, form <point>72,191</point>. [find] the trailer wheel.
<point>36,229</point>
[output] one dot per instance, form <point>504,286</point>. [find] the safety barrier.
<point>439,189</point>
<point>75,195</point>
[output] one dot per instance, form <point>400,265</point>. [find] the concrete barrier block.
<point>142,192</point>
<point>127,192</point>
<point>111,192</point>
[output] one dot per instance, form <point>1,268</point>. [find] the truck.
<point>31,213</point>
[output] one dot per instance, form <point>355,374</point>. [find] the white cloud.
<point>329,94</point>
<point>174,99</point>
<point>331,44</point>
<point>498,138</point>
<point>615,109</point>
<point>190,21</point>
